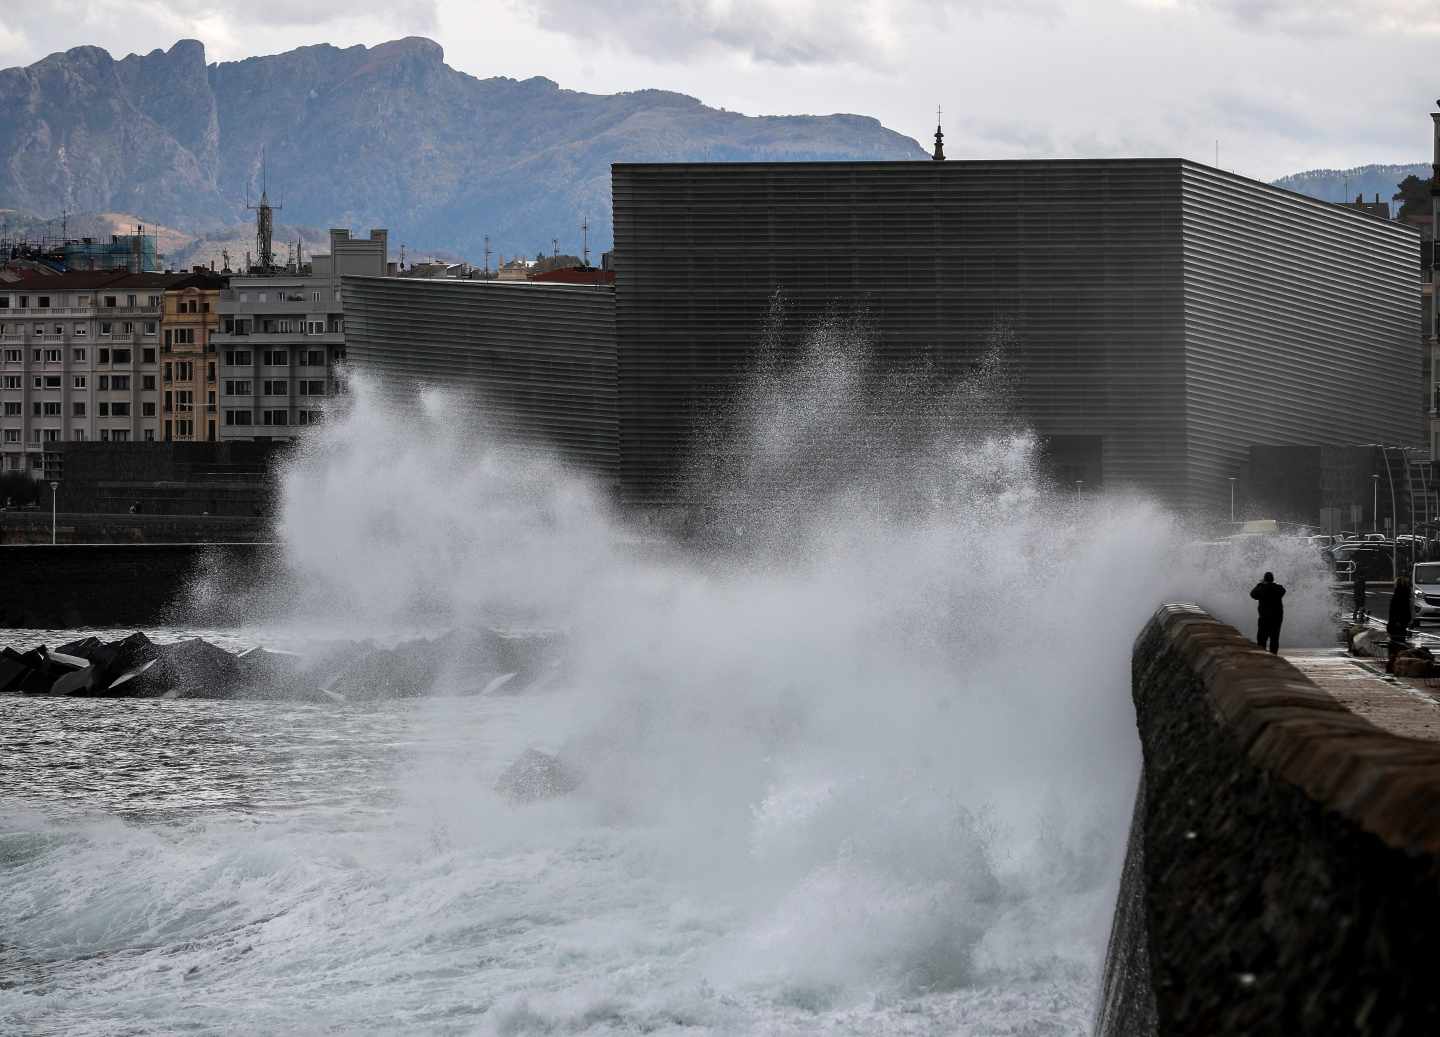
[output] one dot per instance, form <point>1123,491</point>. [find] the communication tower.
<point>264,220</point>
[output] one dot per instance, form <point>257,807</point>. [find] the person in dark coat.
<point>1360,614</point>
<point>1397,629</point>
<point>1270,596</point>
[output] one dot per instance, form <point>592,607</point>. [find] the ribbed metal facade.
<point>1301,325</point>
<point>1156,304</point>
<point>537,361</point>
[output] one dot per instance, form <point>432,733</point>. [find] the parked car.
<point>1426,577</point>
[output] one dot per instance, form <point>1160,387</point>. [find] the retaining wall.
<point>95,585</point>
<point>1283,875</point>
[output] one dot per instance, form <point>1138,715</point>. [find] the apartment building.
<point>281,336</point>
<point>79,360</point>
<point>188,366</point>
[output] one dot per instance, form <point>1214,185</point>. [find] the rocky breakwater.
<point>485,662</point>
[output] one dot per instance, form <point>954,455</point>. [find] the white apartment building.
<point>79,360</point>
<point>281,337</point>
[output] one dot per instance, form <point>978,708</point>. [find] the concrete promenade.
<point>1404,706</point>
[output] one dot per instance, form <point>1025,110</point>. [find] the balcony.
<point>262,340</point>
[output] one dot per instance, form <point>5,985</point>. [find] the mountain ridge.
<point>436,155</point>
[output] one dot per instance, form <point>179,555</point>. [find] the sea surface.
<point>246,867</point>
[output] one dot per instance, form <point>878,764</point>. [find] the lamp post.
<point>1375,504</point>
<point>1079,484</point>
<point>1232,500</point>
<point>54,488</point>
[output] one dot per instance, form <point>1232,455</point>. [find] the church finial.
<point>939,155</point>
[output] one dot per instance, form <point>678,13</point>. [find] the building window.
<point>104,409</point>
<point>185,428</point>
<point>109,305</point>
<point>78,355</point>
<point>81,330</point>
<point>79,381</point>
<point>52,381</point>
<point>42,302</point>
<point>276,387</point>
<point>149,435</point>
<point>184,370</point>
<point>184,400</point>
<point>275,417</point>
<point>120,435</point>
<point>14,356</point>
<point>237,358</point>
<point>105,327</point>
<point>120,382</point>
<point>52,435</point>
<point>240,387</point>
<point>119,410</point>
<point>148,383</point>
<point>308,417</point>
<point>12,435</point>
<point>53,356</point>
<point>129,327</point>
<point>313,387</point>
<point>276,358</point>
<point>121,356</point>
<point>237,417</point>
<point>313,358</point>
<point>147,409</point>
<point>12,409</point>
<point>147,356</point>
<point>52,409</point>
<point>77,435</point>
<point>184,336</point>
<point>104,381</point>
<point>104,357</point>
<point>13,381</point>
<point>77,409</point>
<point>104,435</point>
<point>154,305</point>
<point>130,301</point>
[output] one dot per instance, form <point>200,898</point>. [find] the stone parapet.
<point>1286,852</point>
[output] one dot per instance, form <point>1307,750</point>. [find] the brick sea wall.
<point>1284,865</point>
<point>134,585</point>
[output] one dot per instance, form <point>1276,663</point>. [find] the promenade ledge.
<point>1282,872</point>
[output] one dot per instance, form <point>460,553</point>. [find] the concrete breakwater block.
<point>536,775</point>
<point>136,667</point>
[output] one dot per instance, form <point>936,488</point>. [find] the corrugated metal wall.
<point>1301,327</point>
<point>1080,259</point>
<point>1102,269</point>
<point>537,361</point>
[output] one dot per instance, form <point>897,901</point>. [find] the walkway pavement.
<point>1403,706</point>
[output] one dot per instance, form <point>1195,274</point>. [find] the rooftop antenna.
<point>585,240</point>
<point>65,224</point>
<point>402,255</point>
<point>225,259</point>
<point>487,257</point>
<point>554,248</point>
<point>264,218</point>
<point>939,155</point>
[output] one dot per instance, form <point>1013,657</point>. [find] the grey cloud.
<point>1330,17</point>
<point>776,32</point>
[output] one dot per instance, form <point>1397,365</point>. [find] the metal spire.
<point>939,155</point>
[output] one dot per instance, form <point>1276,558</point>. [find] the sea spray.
<point>862,763</point>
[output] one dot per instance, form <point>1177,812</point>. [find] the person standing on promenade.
<point>1360,614</point>
<point>1397,629</point>
<point>1270,596</point>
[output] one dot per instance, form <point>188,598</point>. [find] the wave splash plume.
<point>863,763</point>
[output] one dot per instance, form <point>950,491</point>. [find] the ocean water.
<point>861,764</point>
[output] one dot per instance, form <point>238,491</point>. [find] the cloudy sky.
<point>1284,85</point>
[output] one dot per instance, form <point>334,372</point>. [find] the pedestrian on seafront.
<point>1360,614</point>
<point>1397,628</point>
<point>1270,596</point>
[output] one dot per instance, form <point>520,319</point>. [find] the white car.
<point>1427,590</point>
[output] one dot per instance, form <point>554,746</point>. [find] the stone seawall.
<point>100,585</point>
<point>1283,874</point>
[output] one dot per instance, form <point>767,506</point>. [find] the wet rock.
<point>536,776</point>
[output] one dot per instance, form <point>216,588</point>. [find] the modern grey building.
<point>281,337</point>
<point>536,361</point>
<point>1167,315</point>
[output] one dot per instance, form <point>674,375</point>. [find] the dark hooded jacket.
<point>1270,596</point>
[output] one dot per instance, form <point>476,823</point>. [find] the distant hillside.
<point>386,136</point>
<point>1342,185</point>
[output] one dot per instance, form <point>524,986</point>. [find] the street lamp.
<point>54,488</point>
<point>1232,500</point>
<point>1375,504</point>
<point>1079,484</point>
